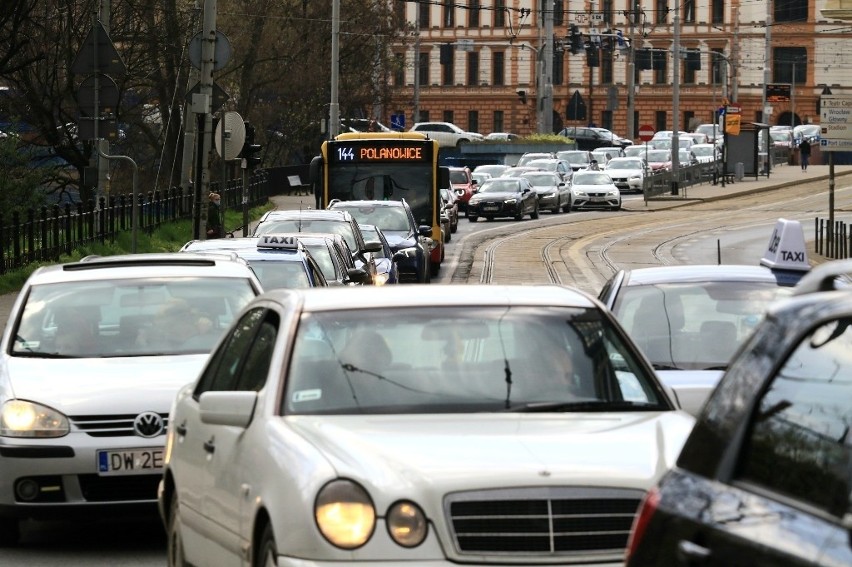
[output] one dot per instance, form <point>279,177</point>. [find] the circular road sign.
<point>646,132</point>
<point>234,136</point>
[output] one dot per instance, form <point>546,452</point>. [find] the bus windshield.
<point>385,181</point>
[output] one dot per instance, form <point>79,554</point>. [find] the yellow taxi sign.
<point>278,241</point>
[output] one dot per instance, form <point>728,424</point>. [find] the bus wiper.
<point>587,405</point>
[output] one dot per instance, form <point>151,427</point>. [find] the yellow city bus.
<point>387,166</point>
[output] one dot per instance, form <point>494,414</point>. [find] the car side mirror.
<point>372,246</point>
<point>424,230</point>
<point>357,275</point>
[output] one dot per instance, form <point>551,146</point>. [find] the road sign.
<point>733,114</point>
<point>221,51</point>
<point>104,60</point>
<point>107,94</point>
<point>234,135</point>
<point>220,97</point>
<point>398,121</point>
<point>646,132</point>
<point>835,123</point>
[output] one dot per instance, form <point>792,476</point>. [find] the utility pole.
<point>732,64</point>
<point>676,98</point>
<point>633,14</point>
<point>334,107</point>
<point>201,106</point>
<point>416,117</point>
<point>189,124</point>
<point>766,60</point>
<point>546,81</point>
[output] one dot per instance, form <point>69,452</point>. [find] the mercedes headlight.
<point>407,524</point>
<point>20,418</point>
<point>345,514</point>
<point>510,202</point>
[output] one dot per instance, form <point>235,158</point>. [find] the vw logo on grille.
<point>148,424</point>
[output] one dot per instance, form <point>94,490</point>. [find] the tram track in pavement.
<point>585,252</point>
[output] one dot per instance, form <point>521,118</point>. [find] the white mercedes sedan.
<point>488,425</point>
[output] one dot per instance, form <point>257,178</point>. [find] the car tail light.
<point>640,522</point>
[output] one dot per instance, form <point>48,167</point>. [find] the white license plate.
<point>599,199</point>
<point>131,461</point>
<point>490,208</point>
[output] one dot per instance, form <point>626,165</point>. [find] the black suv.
<point>408,241</point>
<point>591,139</point>
<point>764,477</point>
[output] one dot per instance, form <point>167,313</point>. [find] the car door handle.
<point>690,553</point>
<point>210,446</point>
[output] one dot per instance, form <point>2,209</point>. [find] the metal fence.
<point>832,240</point>
<point>44,234</point>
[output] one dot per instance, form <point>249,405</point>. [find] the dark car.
<point>387,270</point>
<point>764,477</point>
<point>396,221</point>
<point>590,139</point>
<point>313,221</point>
<point>504,197</point>
<point>451,208</point>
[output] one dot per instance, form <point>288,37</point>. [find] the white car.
<point>594,190</point>
<point>706,153</point>
<point>460,424</point>
<point>93,355</point>
<point>628,173</point>
<point>447,133</point>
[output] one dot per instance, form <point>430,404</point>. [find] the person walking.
<point>804,154</point>
<point>214,217</point>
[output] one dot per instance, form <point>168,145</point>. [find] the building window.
<point>662,11</point>
<point>791,11</point>
<point>790,65</point>
<point>661,69</point>
<point>606,9</point>
<point>449,16</point>
<point>473,68</point>
<point>498,121</point>
<point>606,67</point>
<point>399,69</point>
<point>473,14</point>
<point>499,13</point>
<point>606,119</point>
<point>717,8</point>
<point>661,120</point>
<point>688,119</point>
<point>688,69</point>
<point>448,72</point>
<point>688,11</point>
<point>498,68</point>
<point>719,67</point>
<point>448,116</point>
<point>473,121</point>
<point>399,13</point>
<point>423,69</point>
<point>424,116</point>
<point>558,12</point>
<point>558,67</point>
<point>423,14</point>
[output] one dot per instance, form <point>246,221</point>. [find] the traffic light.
<point>250,149</point>
<point>606,40</point>
<point>576,40</point>
<point>592,56</point>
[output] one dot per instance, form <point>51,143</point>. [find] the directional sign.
<point>398,121</point>
<point>732,119</point>
<point>835,123</point>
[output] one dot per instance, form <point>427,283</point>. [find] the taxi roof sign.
<point>786,249</point>
<point>279,242</point>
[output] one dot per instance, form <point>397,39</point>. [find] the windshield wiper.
<point>588,405</point>
<point>659,366</point>
<point>352,368</point>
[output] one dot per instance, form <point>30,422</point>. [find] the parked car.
<point>447,133</point>
<point>628,174</point>
<point>451,207</point>
<point>809,132</point>
<point>659,160</point>
<point>504,197</point>
<point>530,156</point>
<point>594,190</point>
<point>588,138</point>
<point>706,153</point>
<point>381,426</point>
<point>615,139</point>
<point>764,478</point>
<point>92,357</point>
<point>553,193</point>
<point>502,137</point>
<point>712,131</point>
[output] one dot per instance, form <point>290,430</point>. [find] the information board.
<point>835,123</point>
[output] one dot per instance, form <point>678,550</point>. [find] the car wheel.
<point>520,214</point>
<point>266,554</point>
<point>460,142</point>
<point>174,545</point>
<point>534,213</point>
<point>10,532</point>
<point>472,218</point>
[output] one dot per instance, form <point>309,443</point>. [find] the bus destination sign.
<point>360,151</point>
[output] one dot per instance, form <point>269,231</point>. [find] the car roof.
<point>702,273</point>
<point>129,266</point>
<point>340,205</point>
<point>372,297</point>
<point>306,214</point>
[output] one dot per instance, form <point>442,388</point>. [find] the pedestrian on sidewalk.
<point>804,153</point>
